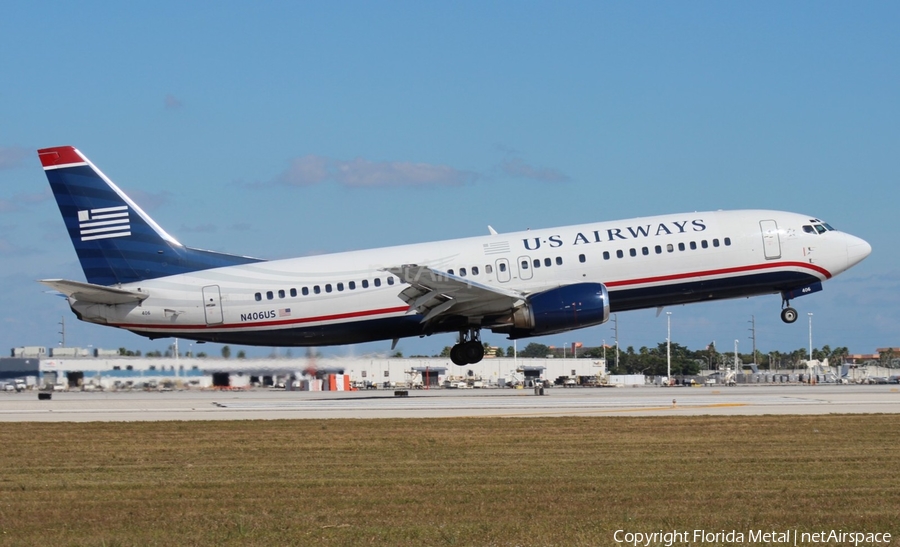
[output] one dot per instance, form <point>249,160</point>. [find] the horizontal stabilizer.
<point>97,294</point>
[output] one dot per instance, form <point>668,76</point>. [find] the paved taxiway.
<point>271,404</point>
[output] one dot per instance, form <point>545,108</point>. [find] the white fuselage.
<point>349,297</point>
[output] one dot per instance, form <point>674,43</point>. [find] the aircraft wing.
<point>434,293</point>
<point>97,294</point>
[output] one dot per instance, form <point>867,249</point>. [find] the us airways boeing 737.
<point>532,283</point>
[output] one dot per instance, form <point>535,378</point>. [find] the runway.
<point>274,404</point>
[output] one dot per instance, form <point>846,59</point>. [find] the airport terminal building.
<point>77,368</point>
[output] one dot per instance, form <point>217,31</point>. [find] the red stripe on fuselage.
<point>721,271</point>
<point>298,321</point>
<point>399,309</point>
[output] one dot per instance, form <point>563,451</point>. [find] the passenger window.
<point>258,297</point>
<point>524,264</point>
<point>328,287</point>
<point>581,258</point>
<point>727,241</point>
<point>450,271</point>
<point>605,255</point>
<point>377,281</point>
<point>559,261</point>
<point>658,249</point>
<point>632,252</point>
<point>693,245</point>
<point>488,269</point>
<point>305,291</point>
<point>537,263</point>
<point>670,248</point>
<point>293,292</point>
<point>704,244</point>
<point>390,280</point>
<point>620,254</point>
<point>548,262</point>
<point>681,246</point>
<point>715,243</point>
<point>340,286</point>
<point>317,290</point>
<point>281,293</point>
<point>474,270</point>
<point>365,283</point>
<point>462,272</point>
<point>645,251</point>
<point>269,295</point>
<point>351,285</point>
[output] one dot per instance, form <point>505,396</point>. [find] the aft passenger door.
<point>771,240</point>
<point>212,304</point>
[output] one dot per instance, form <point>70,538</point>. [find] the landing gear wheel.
<point>457,355</point>
<point>474,351</point>
<point>788,315</point>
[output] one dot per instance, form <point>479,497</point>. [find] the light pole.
<point>615,320</point>
<point>735,357</point>
<point>668,348</point>
<point>810,335</point>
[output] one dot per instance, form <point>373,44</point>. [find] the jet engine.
<point>560,310</point>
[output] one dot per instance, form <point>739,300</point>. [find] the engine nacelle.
<point>562,309</point>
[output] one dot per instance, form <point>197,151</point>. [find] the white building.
<point>187,372</point>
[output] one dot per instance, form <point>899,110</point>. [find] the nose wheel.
<point>788,315</point>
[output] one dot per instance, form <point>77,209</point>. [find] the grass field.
<point>555,481</point>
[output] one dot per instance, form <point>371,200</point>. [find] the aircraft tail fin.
<point>115,240</point>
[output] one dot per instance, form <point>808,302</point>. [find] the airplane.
<point>522,284</point>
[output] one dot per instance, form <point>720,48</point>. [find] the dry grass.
<point>561,481</point>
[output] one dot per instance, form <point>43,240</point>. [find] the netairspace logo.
<point>766,537</point>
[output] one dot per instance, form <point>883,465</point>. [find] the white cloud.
<point>200,228</point>
<point>363,173</point>
<point>12,157</point>
<point>171,102</point>
<point>17,201</point>
<point>149,201</point>
<point>518,168</point>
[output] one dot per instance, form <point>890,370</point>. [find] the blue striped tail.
<point>115,240</point>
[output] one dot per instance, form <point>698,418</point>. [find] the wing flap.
<point>434,293</point>
<point>96,294</point>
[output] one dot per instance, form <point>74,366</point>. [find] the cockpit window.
<point>818,228</point>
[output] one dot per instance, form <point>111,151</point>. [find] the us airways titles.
<point>619,234</point>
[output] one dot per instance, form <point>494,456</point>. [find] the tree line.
<point>653,361</point>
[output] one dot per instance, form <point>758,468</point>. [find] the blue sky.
<point>285,129</point>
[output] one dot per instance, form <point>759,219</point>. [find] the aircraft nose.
<point>857,250</point>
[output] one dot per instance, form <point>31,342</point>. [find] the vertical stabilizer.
<point>115,240</point>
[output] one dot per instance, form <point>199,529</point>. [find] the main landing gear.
<point>788,314</point>
<point>469,350</point>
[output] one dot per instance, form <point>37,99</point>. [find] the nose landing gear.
<point>469,350</point>
<point>788,314</point>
